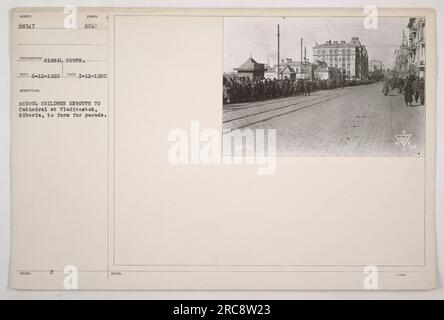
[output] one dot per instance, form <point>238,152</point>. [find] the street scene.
<point>325,95</point>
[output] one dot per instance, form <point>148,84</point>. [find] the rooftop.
<point>343,44</point>
<point>250,65</point>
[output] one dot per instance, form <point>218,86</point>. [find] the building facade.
<point>375,65</point>
<point>251,69</point>
<point>410,57</point>
<point>328,73</point>
<point>416,45</point>
<point>351,57</point>
<point>290,69</point>
<point>295,69</point>
<point>401,61</point>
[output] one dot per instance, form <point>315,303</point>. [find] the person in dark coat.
<point>277,88</point>
<point>295,88</point>
<point>400,84</point>
<point>408,91</point>
<point>300,87</point>
<point>286,87</point>
<point>392,83</point>
<point>421,86</point>
<point>305,87</point>
<point>385,87</point>
<point>415,89</point>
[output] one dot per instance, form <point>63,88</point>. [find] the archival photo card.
<point>326,180</point>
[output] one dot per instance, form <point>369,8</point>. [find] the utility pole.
<point>302,40</point>
<point>279,58</point>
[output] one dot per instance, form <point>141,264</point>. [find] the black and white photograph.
<point>329,86</point>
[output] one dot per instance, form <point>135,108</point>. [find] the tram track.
<point>272,109</point>
<point>268,114</point>
<point>241,106</point>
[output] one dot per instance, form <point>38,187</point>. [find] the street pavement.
<point>353,121</point>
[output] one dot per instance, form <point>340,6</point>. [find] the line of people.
<point>411,87</point>
<point>243,89</point>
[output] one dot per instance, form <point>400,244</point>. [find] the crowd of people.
<point>411,87</point>
<point>243,89</point>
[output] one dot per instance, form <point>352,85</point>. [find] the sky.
<point>257,37</point>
